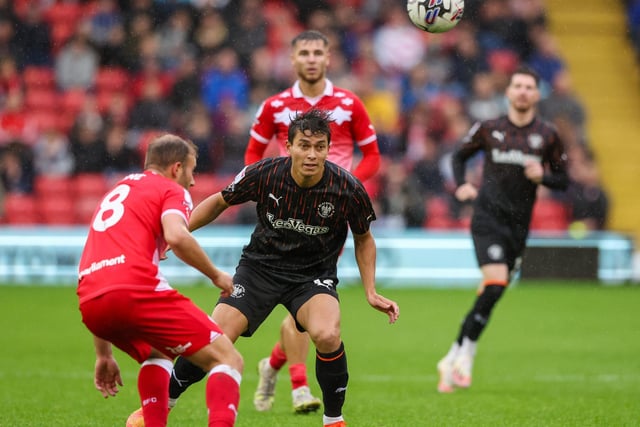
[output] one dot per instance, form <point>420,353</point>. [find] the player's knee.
<point>327,340</point>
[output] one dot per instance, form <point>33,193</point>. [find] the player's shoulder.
<point>279,98</point>
<point>542,123</point>
<point>340,92</point>
<point>498,122</point>
<point>342,174</point>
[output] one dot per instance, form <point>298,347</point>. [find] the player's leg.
<point>493,285</point>
<point>185,373</point>
<point>294,348</point>
<point>320,316</point>
<point>223,363</point>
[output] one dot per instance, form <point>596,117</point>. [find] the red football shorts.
<point>136,321</point>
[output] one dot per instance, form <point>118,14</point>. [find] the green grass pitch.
<point>554,354</point>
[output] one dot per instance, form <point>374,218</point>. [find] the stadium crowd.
<point>84,85</point>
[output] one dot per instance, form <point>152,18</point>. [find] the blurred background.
<point>85,85</point>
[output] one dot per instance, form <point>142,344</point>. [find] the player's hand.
<point>466,192</point>
<point>107,376</point>
<point>533,171</point>
<point>385,305</point>
<point>225,282</point>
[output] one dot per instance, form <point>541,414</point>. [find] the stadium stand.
<point>419,111</point>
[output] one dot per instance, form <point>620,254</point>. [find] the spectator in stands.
<point>33,38</point>
<point>174,37</point>
<point>545,58</point>
<point>211,33</point>
<point>121,158</point>
<point>52,154</point>
<point>467,59</point>
<point>15,123</point>
<point>10,79</point>
<point>9,47</point>
<point>87,145</point>
<point>152,110</point>
<point>398,47</point>
<point>199,129</point>
<point>103,21</point>
<point>186,88</point>
<point>401,204</point>
<point>485,102</point>
<point>16,168</point>
<point>586,196</point>
<point>248,30</point>
<point>562,102</point>
<point>225,80</point>
<point>76,63</point>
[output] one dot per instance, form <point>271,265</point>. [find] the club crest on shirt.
<point>326,210</point>
<point>535,141</point>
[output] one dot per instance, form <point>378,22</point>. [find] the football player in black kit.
<point>520,151</point>
<point>305,206</point>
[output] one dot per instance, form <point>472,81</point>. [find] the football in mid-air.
<point>435,16</point>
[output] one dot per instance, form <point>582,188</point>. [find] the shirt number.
<point>111,207</point>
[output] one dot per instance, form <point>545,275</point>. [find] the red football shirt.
<point>350,121</point>
<point>125,238</point>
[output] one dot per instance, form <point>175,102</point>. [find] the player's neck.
<point>312,90</point>
<point>521,118</point>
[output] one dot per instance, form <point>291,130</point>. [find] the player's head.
<point>308,144</point>
<point>310,56</point>
<point>174,157</point>
<point>523,92</point>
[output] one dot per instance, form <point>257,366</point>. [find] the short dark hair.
<point>310,35</point>
<point>168,149</point>
<point>523,69</point>
<point>314,121</point>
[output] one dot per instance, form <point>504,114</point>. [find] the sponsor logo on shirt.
<point>296,225</point>
<point>514,157</point>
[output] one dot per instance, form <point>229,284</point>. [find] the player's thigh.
<point>320,317</point>
<point>220,351</point>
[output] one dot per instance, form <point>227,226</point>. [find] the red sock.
<point>223,396</point>
<point>278,357</point>
<point>298,374</point>
<point>153,386</point>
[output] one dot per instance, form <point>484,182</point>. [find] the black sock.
<point>477,319</point>
<point>183,375</point>
<point>333,376</point>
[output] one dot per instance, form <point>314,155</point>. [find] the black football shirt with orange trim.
<point>300,231</point>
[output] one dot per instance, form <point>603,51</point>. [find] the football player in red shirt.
<point>350,127</point>
<point>126,302</point>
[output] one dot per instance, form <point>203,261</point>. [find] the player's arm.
<point>187,248</point>
<point>365,251</point>
<point>254,151</point>
<point>557,177</point>
<point>207,211</point>
<point>107,372</point>
<point>370,162</point>
<point>471,144</point>
<point>363,132</point>
<point>262,130</point>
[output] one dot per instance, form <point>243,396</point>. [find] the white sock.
<point>330,420</point>
<point>453,351</point>
<point>468,347</point>
<point>172,402</point>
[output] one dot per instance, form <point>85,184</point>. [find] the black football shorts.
<point>258,291</point>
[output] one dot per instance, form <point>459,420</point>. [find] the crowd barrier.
<point>405,258</point>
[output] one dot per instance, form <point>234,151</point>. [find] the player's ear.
<point>175,169</point>
<point>288,147</point>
